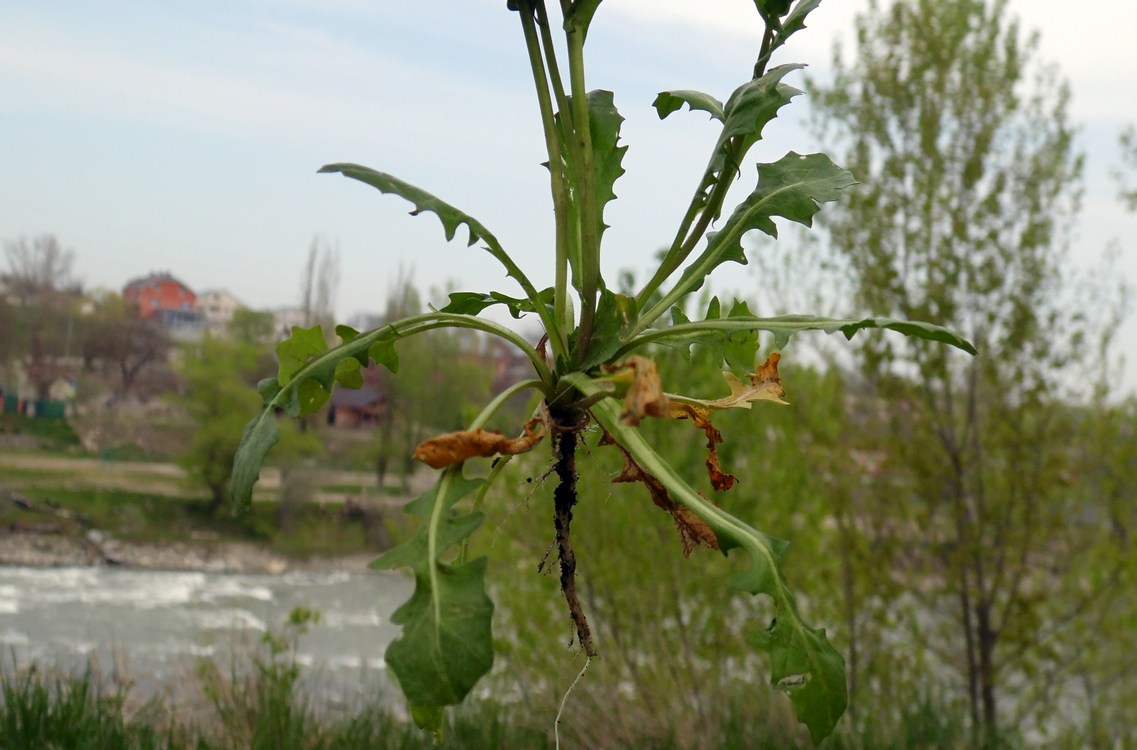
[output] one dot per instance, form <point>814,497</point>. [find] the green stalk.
<point>563,323</point>
<point>686,238</point>
<point>554,69</point>
<point>420,324</point>
<point>695,274</point>
<point>500,463</point>
<point>579,143</point>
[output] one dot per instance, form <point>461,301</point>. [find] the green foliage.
<point>446,645</point>
<point>217,394</point>
<point>257,703</point>
<point>53,432</point>
<point>971,182</point>
<point>1128,191</point>
<point>261,707</point>
<point>251,326</point>
<point>79,713</point>
<point>594,354</point>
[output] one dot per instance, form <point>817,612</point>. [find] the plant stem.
<point>553,140</point>
<point>579,142</point>
<point>686,238</point>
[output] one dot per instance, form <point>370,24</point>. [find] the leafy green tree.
<point>591,366</point>
<point>218,377</point>
<point>252,326</point>
<point>441,380</point>
<point>971,183</point>
<point>1128,191</point>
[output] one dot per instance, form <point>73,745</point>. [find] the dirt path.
<point>24,470</point>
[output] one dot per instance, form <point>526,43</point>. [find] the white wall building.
<point>217,307</point>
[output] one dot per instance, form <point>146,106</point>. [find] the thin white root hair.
<point>564,700</point>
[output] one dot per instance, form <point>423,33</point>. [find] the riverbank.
<point>44,549</point>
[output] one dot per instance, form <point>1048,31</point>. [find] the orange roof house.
<point>160,296</point>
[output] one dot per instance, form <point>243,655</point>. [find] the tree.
<point>970,186</point>
<point>112,333</point>
<point>45,294</point>
<point>320,283</point>
<point>251,326</point>
<point>218,376</point>
<point>1127,191</point>
<point>440,378</point>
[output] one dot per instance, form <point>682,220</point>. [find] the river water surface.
<point>156,625</point>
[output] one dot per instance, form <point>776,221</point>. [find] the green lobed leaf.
<point>451,219</point>
<point>745,115</point>
<point>472,303</point>
<point>684,332</point>
<point>794,187</point>
<point>261,433</point>
<point>794,22</point>
<point>446,644</point>
<point>667,102</point>
<point>309,369</point>
<point>806,667</point>
<point>294,353</point>
<point>312,374</point>
<point>604,122</point>
<point>615,316</point>
<point>450,216</point>
<point>748,110</point>
<point>803,662</point>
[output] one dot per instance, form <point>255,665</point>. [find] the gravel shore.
<point>37,549</point>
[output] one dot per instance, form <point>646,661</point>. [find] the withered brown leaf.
<point>765,385</point>
<point>455,447</point>
<point>720,480</point>
<point>645,396</point>
<point>692,530</point>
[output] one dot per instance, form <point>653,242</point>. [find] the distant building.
<point>356,408</point>
<point>284,320</point>
<point>163,298</point>
<point>216,308</point>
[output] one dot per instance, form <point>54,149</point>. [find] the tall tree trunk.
<point>987,638</point>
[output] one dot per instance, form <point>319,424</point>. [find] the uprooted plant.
<point>592,367</point>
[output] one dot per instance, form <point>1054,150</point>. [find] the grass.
<point>256,706</point>
<point>149,519</point>
<point>255,703</point>
<point>56,433</point>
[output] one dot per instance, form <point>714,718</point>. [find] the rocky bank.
<point>47,549</point>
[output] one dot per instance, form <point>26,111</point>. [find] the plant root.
<point>564,500</point>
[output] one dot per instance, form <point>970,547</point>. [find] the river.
<point>156,625</point>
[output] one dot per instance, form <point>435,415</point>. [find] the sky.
<point>185,137</point>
